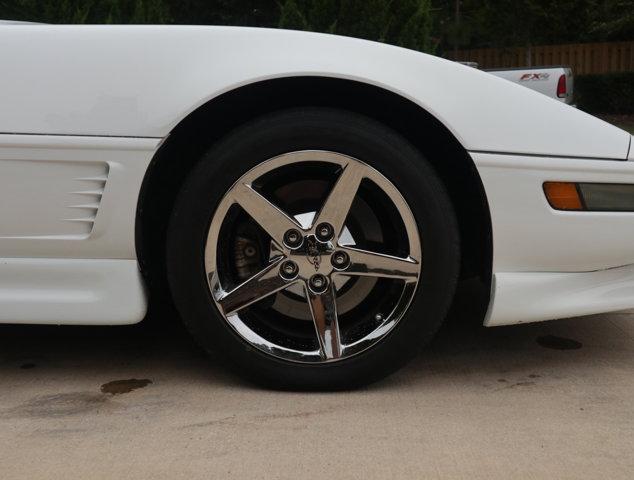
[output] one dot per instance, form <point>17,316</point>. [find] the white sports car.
<point>309,201</point>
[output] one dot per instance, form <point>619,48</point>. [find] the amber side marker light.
<point>563,196</point>
<point>590,197</point>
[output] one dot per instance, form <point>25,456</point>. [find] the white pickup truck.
<point>555,82</point>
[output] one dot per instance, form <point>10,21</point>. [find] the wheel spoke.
<point>259,286</point>
<point>340,199</point>
<point>273,220</point>
<point>323,308</point>
<point>372,264</point>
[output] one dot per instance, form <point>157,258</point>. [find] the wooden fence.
<point>582,57</point>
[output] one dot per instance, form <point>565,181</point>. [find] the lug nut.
<point>288,270</point>
<point>340,260</point>
<point>293,238</point>
<point>324,232</point>
<point>318,283</point>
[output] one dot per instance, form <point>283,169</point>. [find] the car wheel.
<point>313,249</point>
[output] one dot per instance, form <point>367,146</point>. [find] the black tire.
<point>310,129</point>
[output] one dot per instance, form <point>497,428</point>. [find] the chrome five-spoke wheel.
<point>313,248</point>
<point>307,227</point>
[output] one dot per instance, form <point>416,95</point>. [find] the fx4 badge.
<point>534,76</point>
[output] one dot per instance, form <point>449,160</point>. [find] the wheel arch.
<point>185,144</point>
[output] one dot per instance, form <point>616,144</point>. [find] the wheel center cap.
<point>314,250</point>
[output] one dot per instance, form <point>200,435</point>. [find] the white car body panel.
<point>84,109</point>
<point>529,236</point>
<point>142,80</point>
<point>71,291</point>
<point>45,180</point>
<point>67,226</point>
<point>535,296</point>
<point>548,263</point>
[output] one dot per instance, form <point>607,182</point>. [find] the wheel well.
<point>213,120</point>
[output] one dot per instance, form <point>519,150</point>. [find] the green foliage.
<point>292,17</point>
<point>255,13</point>
<point>614,20</point>
<point>608,93</point>
<point>406,23</point>
<point>417,29</point>
<point>508,23</point>
<point>86,11</point>
<point>428,25</point>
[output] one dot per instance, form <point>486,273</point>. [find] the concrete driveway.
<point>551,400</point>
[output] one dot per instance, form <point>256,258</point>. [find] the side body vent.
<point>50,199</point>
<point>88,195</point>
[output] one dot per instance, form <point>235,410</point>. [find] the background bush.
<point>428,25</point>
<point>86,11</point>
<point>407,23</point>
<point>607,93</point>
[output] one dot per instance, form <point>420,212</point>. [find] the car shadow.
<point>463,351</point>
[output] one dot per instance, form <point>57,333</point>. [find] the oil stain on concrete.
<point>74,403</point>
<point>117,387</point>
<point>58,405</point>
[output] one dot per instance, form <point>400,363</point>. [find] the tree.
<point>511,23</point>
<point>614,20</point>
<point>86,11</point>
<point>255,13</point>
<point>405,23</point>
<point>427,25</point>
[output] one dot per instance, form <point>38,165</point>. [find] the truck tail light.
<point>561,87</point>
